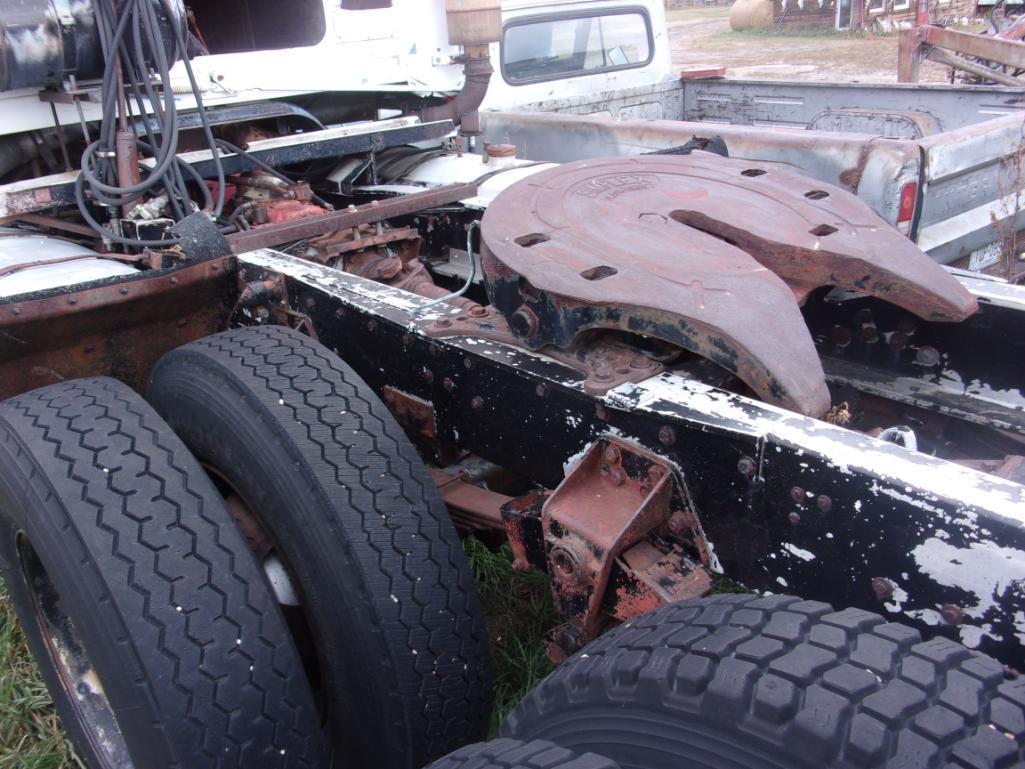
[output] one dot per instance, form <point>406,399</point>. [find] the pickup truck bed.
<point>952,152</point>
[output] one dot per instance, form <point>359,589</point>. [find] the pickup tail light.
<point>906,211</point>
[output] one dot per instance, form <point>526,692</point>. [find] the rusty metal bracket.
<point>605,363</point>
<point>354,216</point>
<point>950,47</point>
<point>619,506</point>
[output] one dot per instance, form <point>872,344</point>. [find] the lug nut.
<point>797,494</point>
<point>746,466</point>
<point>794,519</point>
<point>666,435</point>
<point>824,503</point>
<point>476,403</point>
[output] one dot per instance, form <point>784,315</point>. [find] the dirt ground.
<point>701,37</point>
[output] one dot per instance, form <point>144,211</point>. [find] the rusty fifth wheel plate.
<point>813,234</point>
<point>593,245</point>
<point>646,245</point>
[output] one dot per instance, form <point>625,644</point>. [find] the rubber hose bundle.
<point>130,34</point>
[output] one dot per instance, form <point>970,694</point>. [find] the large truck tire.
<point>157,634</point>
<point>742,681</point>
<point>504,753</point>
<point>329,480</point>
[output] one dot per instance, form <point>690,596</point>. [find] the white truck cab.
<point>565,49</point>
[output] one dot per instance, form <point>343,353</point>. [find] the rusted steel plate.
<point>593,245</point>
<point>812,234</point>
<point>116,329</point>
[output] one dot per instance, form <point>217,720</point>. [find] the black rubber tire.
<point>505,753</point>
<point>101,503</point>
<point>385,586</point>
<point>737,681</point>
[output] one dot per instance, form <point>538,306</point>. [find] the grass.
<point>31,737</point>
<point>519,611</point>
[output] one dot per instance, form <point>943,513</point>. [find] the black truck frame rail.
<point>787,503</point>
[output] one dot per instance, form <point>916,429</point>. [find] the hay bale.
<point>751,14</point>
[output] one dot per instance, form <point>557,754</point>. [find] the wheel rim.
<point>75,672</point>
<point>264,547</point>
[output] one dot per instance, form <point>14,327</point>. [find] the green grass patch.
<point>519,611</point>
<point>31,737</point>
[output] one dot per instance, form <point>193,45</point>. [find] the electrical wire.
<point>475,224</point>
<point>134,45</point>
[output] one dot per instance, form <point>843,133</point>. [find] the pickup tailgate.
<point>972,184</point>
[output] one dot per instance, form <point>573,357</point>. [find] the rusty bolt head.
<point>840,336</point>
<point>882,587</point>
<point>477,311</point>
<point>927,356</point>
<point>603,372</point>
<point>448,384</point>
<point>476,403</point>
<point>655,475</point>
<point>612,454</point>
<point>951,614</point>
<point>823,503</point>
<point>795,519</point>
<point>666,435</point>
<point>443,323</point>
<point>428,375</point>
<point>174,280</point>
<point>797,494</point>
<point>468,363</point>
<point>541,390</point>
<point>746,466</point>
<point>676,523</point>
<point>72,300</point>
<point>123,290</point>
<point>524,321</point>
<point>640,362</point>
<point>565,564</point>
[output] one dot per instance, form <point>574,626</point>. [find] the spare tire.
<point>743,681</point>
<point>155,630</point>
<point>335,492</point>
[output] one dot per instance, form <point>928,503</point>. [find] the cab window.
<point>570,45</point>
